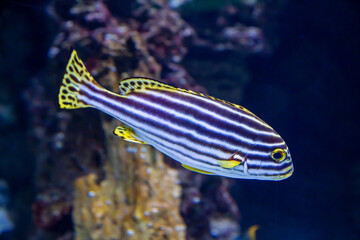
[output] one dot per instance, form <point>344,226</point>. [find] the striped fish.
<point>203,133</point>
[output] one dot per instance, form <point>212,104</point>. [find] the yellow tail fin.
<point>75,75</point>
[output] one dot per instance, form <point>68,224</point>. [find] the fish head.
<point>268,162</point>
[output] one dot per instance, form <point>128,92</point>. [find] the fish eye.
<point>278,155</point>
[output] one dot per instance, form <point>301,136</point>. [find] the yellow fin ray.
<point>127,134</point>
<point>196,170</point>
<point>228,163</point>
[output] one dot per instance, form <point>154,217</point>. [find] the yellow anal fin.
<point>196,170</point>
<point>228,163</point>
<point>127,134</point>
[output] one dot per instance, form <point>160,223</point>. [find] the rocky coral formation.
<point>122,190</point>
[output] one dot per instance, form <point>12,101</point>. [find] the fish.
<point>205,134</point>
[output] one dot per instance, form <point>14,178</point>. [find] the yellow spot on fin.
<point>228,163</point>
<point>75,76</point>
<point>196,170</point>
<point>127,134</point>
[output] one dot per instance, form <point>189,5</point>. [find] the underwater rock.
<point>65,149</point>
<point>243,26</point>
<point>114,189</point>
<point>141,203</point>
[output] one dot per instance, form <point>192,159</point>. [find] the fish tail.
<point>76,76</point>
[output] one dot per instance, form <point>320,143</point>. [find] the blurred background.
<point>295,64</point>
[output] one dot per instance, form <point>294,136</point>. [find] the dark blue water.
<point>308,89</point>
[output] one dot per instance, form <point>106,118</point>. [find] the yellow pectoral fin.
<point>127,134</point>
<point>228,163</point>
<point>197,170</point>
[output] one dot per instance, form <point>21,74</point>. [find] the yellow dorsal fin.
<point>127,134</point>
<point>196,170</point>
<point>131,84</point>
<point>228,163</point>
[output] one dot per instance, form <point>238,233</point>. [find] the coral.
<point>144,206</point>
<point>140,196</point>
<point>65,149</point>
<point>135,194</point>
<point>124,190</point>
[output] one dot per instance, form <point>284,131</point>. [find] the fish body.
<point>203,133</point>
